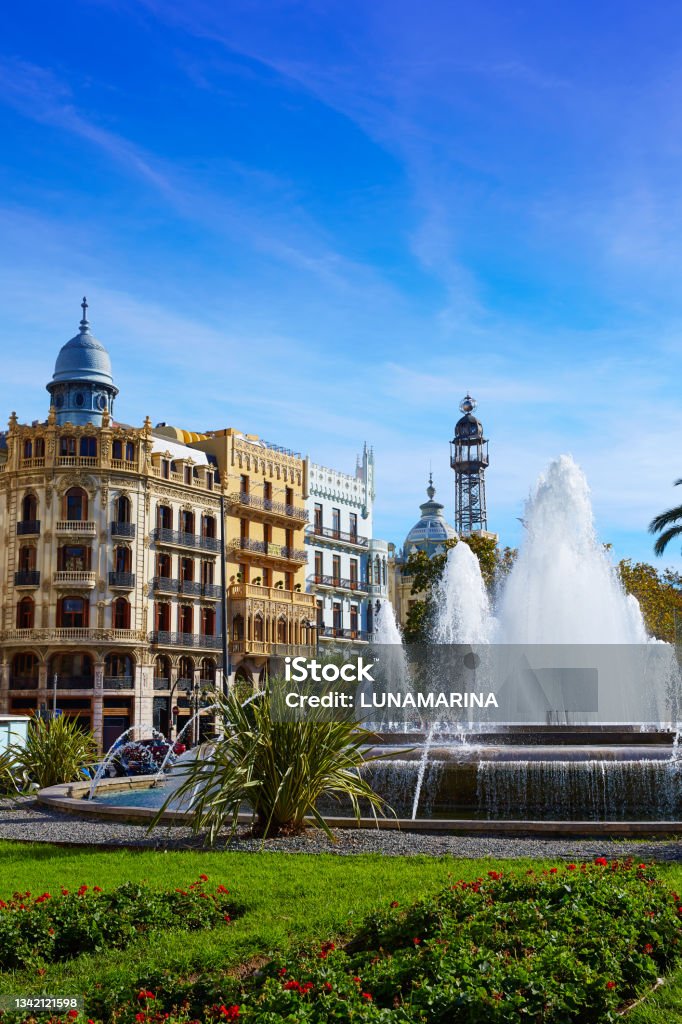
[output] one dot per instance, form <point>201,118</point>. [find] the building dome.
<point>82,385</point>
<point>432,530</point>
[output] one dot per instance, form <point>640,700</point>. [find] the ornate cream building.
<point>111,570</point>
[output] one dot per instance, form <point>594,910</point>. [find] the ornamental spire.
<point>84,324</point>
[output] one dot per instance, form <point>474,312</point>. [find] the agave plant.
<point>55,751</point>
<point>9,782</point>
<point>280,769</point>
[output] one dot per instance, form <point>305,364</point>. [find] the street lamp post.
<point>55,678</point>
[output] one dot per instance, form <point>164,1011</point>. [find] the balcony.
<point>244,591</point>
<point>74,683</point>
<point>165,585</point>
<point>163,638</point>
<point>77,578</point>
<point>75,526</point>
<point>161,683</point>
<point>88,461</point>
<point>74,635</point>
<point>190,587</point>
<point>327,533</point>
<point>180,539</point>
<point>28,528</point>
<point>266,648</point>
<point>37,462</point>
<point>118,683</point>
<point>27,578</point>
<point>23,682</point>
<point>337,633</point>
<point>340,583</point>
<point>212,591</point>
<point>123,530</point>
<point>270,507</point>
<point>125,464</point>
<point>267,549</point>
<point>122,580</point>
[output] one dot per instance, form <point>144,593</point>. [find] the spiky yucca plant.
<point>280,769</point>
<point>55,751</point>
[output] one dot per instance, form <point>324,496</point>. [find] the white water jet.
<point>463,614</point>
<point>562,588</point>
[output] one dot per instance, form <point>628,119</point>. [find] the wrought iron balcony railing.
<point>337,633</point>
<point>270,549</point>
<point>119,529</point>
<point>23,683</point>
<point>165,585</point>
<point>27,578</point>
<point>179,538</point>
<point>329,533</point>
<point>279,508</point>
<point>163,638</point>
<point>340,583</point>
<point>161,683</point>
<point>28,528</point>
<point>122,580</point>
<point>118,683</point>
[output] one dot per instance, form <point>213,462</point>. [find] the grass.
<point>290,901</point>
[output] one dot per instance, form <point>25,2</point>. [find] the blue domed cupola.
<point>82,387</point>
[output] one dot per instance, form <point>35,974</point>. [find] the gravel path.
<point>27,822</point>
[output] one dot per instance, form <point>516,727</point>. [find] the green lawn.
<point>289,899</point>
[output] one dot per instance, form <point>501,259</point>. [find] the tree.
<point>668,525</point>
<point>659,596</point>
<point>426,572</point>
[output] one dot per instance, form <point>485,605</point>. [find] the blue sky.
<point>323,222</point>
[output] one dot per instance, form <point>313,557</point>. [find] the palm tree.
<point>663,523</point>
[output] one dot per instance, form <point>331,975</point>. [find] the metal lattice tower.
<point>469,459</point>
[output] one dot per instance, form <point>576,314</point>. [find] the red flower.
<point>227,917</point>
<point>416,941</point>
<point>327,986</point>
<point>221,888</point>
<point>140,1016</point>
<point>50,931</point>
<point>282,971</point>
<point>602,861</point>
<point>553,871</point>
<point>145,994</point>
<point>82,891</point>
<point>356,980</point>
<point>648,948</point>
<point>367,996</point>
<point>610,984</point>
<point>292,986</point>
<point>395,903</point>
<point>642,867</point>
<point>230,1012</point>
<point>97,888</point>
<point>65,892</point>
<point>498,995</point>
<point>72,1014</point>
<point>204,878</point>
<point>572,867</point>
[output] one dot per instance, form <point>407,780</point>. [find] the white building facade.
<point>347,566</point>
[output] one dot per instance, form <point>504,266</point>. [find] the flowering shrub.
<point>572,943</point>
<point>39,928</point>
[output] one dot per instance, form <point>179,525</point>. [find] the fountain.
<point>584,735</point>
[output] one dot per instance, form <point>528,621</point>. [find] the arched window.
<point>164,517</point>
<point>72,613</point>
<point>281,631</point>
<point>258,627</point>
<point>238,627</point>
<point>39,448</point>
<point>186,669</point>
<point>28,449</point>
<point>67,447</point>
<point>163,566</point>
<point>72,669</point>
<point>187,521</point>
<point>76,505</point>
<point>162,669</point>
<point>207,526</point>
<point>24,673</point>
<point>130,451</point>
<point>117,450</point>
<point>208,670</point>
<point>121,613</point>
<point>119,670</point>
<point>29,509</point>
<point>88,447</point>
<point>185,618</point>
<point>122,509</point>
<point>162,615</point>
<point>25,613</point>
